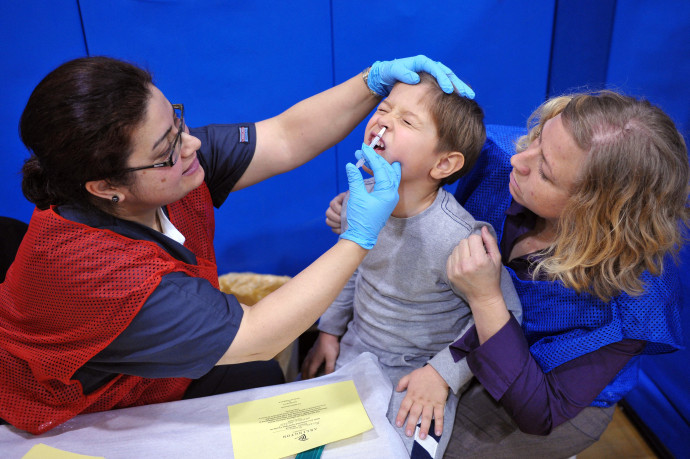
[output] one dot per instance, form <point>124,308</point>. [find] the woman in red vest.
<point>113,300</point>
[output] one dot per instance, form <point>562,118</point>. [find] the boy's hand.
<point>426,397</point>
<point>333,218</point>
<point>324,352</point>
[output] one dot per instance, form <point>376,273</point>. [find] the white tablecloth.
<point>200,428</point>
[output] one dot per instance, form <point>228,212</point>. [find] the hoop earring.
<point>116,199</point>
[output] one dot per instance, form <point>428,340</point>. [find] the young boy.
<point>399,305</point>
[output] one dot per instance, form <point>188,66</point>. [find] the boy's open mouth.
<point>380,146</point>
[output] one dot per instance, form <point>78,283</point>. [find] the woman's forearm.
<point>490,317</point>
<point>307,129</point>
<point>278,319</point>
<point>538,401</point>
<point>321,121</point>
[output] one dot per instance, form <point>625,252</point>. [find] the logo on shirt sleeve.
<point>244,134</point>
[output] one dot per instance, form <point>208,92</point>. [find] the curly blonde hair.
<point>629,206</point>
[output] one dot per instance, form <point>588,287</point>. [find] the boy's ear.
<point>101,189</point>
<point>447,164</point>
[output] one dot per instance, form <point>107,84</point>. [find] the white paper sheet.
<point>200,427</point>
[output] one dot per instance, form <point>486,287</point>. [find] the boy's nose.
<point>384,121</point>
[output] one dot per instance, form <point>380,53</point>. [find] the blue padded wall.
<point>579,60</point>
<point>36,37</point>
<point>650,55</point>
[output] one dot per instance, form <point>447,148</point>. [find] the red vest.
<point>70,292</point>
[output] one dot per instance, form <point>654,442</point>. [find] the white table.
<point>200,428</point>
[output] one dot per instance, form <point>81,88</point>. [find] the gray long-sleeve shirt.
<point>400,305</point>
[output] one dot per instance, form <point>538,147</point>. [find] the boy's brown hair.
<point>459,124</point>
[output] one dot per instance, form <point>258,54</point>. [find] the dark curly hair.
<point>78,125</point>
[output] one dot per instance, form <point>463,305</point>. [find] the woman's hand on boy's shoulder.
<point>474,268</point>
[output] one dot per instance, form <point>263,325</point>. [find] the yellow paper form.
<point>287,424</point>
<point>42,451</point>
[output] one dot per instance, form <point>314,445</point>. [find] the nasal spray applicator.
<point>361,161</point>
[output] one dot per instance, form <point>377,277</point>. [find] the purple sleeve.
<point>538,401</point>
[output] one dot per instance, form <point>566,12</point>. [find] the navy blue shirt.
<point>186,324</point>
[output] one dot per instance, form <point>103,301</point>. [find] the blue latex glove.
<point>368,212</point>
<point>383,75</point>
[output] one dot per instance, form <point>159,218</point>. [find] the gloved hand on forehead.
<point>384,74</point>
<point>367,212</point>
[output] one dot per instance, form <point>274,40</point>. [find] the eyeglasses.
<point>174,155</point>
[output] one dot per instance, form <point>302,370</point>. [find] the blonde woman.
<point>587,218</point>
<point>588,213</point>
